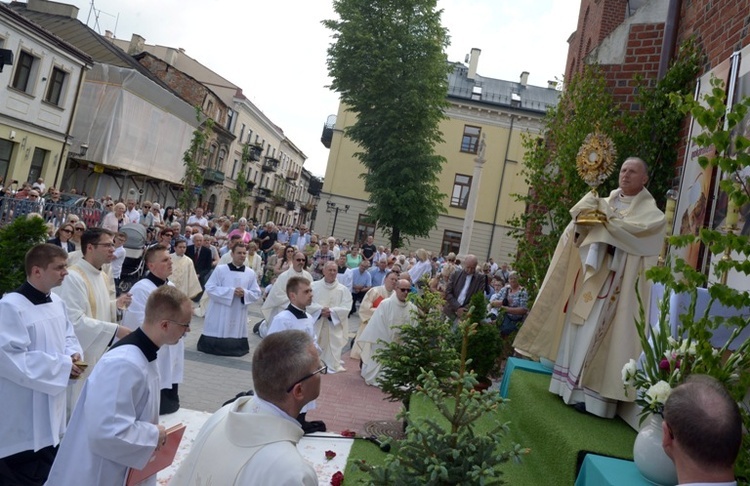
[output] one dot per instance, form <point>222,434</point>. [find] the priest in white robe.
<point>89,293</point>
<point>183,271</point>
<point>115,422</point>
<point>277,299</point>
<point>383,328</point>
<point>330,308</point>
<point>38,349</point>
<point>170,360</point>
<point>583,316</point>
<point>231,289</point>
<point>254,439</point>
<point>295,317</point>
<point>370,302</point>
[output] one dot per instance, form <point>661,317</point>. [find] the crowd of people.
<point>87,372</point>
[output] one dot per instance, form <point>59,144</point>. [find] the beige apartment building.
<point>502,111</point>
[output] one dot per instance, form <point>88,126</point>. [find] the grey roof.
<point>500,93</point>
<point>86,39</point>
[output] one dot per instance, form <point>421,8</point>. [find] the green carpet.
<point>539,420</point>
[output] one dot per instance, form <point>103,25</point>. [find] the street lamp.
<point>332,207</point>
<point>82,153</point>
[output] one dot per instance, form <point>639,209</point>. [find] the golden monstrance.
<point>595,162</point>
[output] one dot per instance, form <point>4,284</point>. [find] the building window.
<point>451,242</point>
<point>211,154</point>
<point>6,150</point>
<point>461,188</point>
<point>249,136</point>
<point>230,119</point>
<point>226,207</point>
<point>470,141</point>
<point>56,86</point>
<point>364,229</point>
<point>211,207</point>
<point>220,160</point>
<point>234,170</point>
<point>37,164</point>
<point>242,133</point>
<point>25,72</point>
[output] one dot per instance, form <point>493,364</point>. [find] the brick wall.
<point>187,87</point>
<point>596,20</point>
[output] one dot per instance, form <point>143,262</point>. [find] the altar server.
<point>231,289</point>
<point>115,422</point>
<point>38,352</point>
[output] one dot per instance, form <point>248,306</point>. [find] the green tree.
<point>16,239</point>
<point>238,195</point>
<point>388,65</point>
<point>192,160</point>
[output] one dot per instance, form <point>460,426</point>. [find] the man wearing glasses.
<point>295,316</point>
<point>89,294</point>
<point>115,424</point>
<point>384,327</point>
<point>253,440</point>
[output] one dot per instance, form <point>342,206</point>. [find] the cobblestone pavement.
<point>345,401</point>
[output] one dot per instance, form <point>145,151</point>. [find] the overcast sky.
<point>275,50</point>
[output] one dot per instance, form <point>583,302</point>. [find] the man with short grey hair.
<point>253,440</point>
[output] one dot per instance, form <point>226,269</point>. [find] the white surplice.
<point>170,360</point>
<point>370,302</point>
<point>36,344</point>
<point>226,316</point>
<point>90,300</point>
<point>277,299</point>
<point>383,328</point>
<point>113,426</point>
<point>249,441</point>
<point>332,333</point>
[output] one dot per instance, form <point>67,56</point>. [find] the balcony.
<point>278,200</point>
<point>260,198</point>
<point>212,176</point>
<point>292,175</point>
<point>327,136</point>
<point>250,185</point>
<point>291,205</point>
<point>255,152</point>
<point>264,191</point>
<point>270,164</point>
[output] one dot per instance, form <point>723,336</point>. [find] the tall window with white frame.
<point>470,140</point>
<point>461,189</point>
<point>25,74</point>
<point>55,86</point>
<point>364,229</point>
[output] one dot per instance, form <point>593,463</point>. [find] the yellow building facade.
<point>503,113</point>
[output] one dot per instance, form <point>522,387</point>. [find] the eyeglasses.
<point>147,207</point>
<point>299,259</point>
<point>66,231</point>
<point>80,229</point>
<point>109,205</point>
<point>108,245</point>
<point>403,290</point>
<point>323,370</point>
<point>178,323</point>
<point>33,195</point>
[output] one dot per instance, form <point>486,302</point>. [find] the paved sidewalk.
<point>345,401</point>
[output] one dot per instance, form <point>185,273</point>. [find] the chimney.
<point>53,8</point>
<point>525,79</point>
<point>109,35</point>
<point>136,44</point>
<point>473,61</point>
<point>171,56</point>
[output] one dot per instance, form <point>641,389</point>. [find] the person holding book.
<point>114,426</point>
<point>253,440</point>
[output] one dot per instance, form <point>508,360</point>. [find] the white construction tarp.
<point>132,123</point>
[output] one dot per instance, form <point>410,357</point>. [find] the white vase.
<point>649,456</point>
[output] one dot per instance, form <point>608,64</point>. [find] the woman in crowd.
<point>62,238</point>
<point>113,221</point>
<point>311,247</point>
<point>241,230</point>
<point>157,220</point>
<point>223,228</point>
<point>285,261</point>
<point>353,258</point>
<point>422,266</point>
<point>512,300</point>
<point>169,216</point>
<point>90,215</point>
<point>78,228</point>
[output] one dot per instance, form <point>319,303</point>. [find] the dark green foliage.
<point>485,345</point>
<point>16,239</point>
<point>237,196</point>
<point>448,450</point>
<point>388,65</point>
<point>651,133</point>
<point>423,346</point>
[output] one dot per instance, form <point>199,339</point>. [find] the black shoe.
<point>580,407</point>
